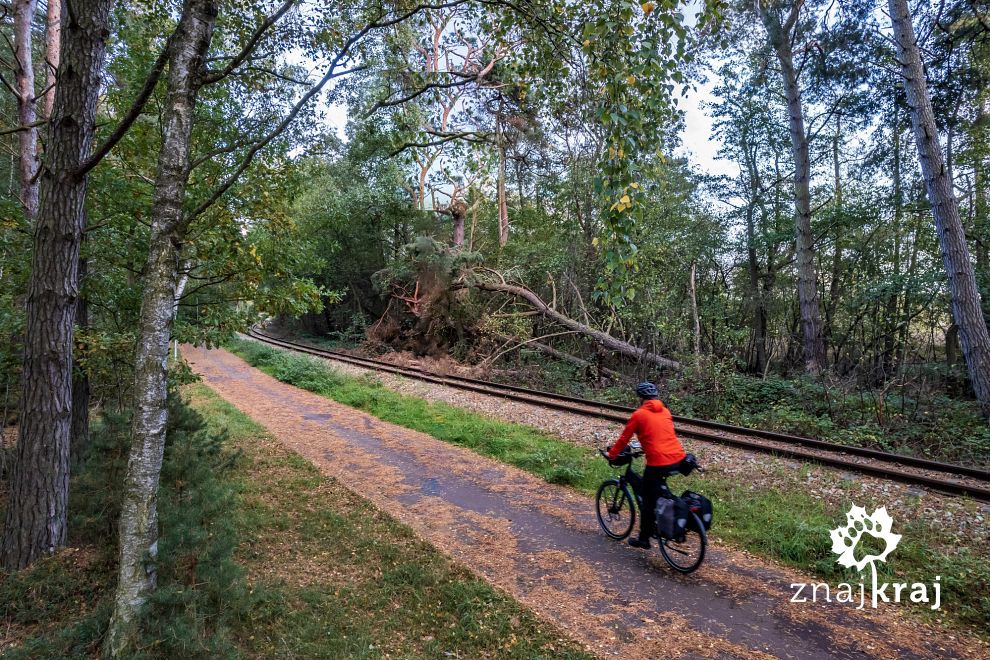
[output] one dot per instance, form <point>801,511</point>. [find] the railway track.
<point>943,477</point>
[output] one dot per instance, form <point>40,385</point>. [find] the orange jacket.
<point>654,426</point>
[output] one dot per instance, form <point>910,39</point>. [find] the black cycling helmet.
<point>646,390</point>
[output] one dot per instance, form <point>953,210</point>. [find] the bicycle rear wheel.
<point>615,510</point>
<point>685,555</point>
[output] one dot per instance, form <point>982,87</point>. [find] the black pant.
<point>650,488</point>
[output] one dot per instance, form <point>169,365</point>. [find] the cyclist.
<point>653,424</point>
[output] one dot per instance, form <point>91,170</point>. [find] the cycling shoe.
<point>639,543</point>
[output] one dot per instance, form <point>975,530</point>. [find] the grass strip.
<point>787,523</point>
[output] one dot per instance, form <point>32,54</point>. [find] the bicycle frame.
<point>634,480</point>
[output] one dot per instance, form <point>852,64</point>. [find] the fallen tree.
<point>603,339</point>
<point>546,349</point>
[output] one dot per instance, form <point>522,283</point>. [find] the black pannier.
<point>672,517</point>
<point>701,506</point>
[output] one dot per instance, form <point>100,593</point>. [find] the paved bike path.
<point>541,543</point>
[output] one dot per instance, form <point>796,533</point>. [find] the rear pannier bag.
<point>672,517</point>
<point>703,504</point>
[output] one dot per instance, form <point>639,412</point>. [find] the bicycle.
<point>616,512</point>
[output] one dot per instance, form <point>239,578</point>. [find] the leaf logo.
<point>845,539</point>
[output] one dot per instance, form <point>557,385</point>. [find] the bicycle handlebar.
<point>634,453</point>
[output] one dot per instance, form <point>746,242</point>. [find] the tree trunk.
<point>546,349</point>
<point>981,215</point>
<point>458,227</point>
<point>139,514</point>
<point>604,339</point>
<point>694,310</point>
<point>890,350</point>
<point>36,515</point>
<point>966,308</point>
<point>79,441</point>
<point>813,345</point>
<point>53,52</point>
<point>758,316</point>
<point>26,115</point>
<point>503,206</point>
<point>834,289</point>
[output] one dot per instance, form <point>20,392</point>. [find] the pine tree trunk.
<point>813,345</point>
<point>53,52</point>
<point>79,441</point>
<point>35,524</point>
<point>966,308</point>
<point>26,115</point>
<point>139,514</point>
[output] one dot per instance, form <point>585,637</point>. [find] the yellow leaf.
<point>648,7</point>
<point>631,79</point>
<point>625,200</point>
<point>587,43</point>
<point>634,185</point>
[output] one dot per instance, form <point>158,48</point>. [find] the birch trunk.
<point>966,307</point>
<point>26,114</point>
<point>812,344</point>
<point>35,523</point>
<point>139,514</point>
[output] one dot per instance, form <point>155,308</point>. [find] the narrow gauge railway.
<point>938,476</point>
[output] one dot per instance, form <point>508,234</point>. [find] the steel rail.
<point>794,446</point>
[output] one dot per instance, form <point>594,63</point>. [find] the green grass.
<point>787,523</point>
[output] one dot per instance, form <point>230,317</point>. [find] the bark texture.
<point>606,340</point>
<point>26,114</point>
<point>780,34</point>
<point>139,514</point>
<point>53,52</point>
<point>79,441</point>
<point>966,307</point>
<point>35,523</point>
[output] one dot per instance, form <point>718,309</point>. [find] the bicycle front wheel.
<point>615,509</point>
<point>685,555</point>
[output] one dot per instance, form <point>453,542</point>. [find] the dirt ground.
<point>541,544</point>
